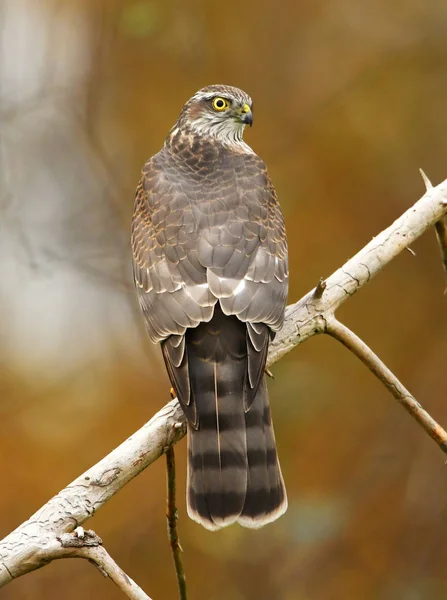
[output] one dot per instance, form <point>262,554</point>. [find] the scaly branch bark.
<point>25,548</point>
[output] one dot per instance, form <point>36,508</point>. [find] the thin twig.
<point>321,286</point>
<point>108,567</point>
<point>440,228</point>
<point>172,516</point>
<point>441,234</point>
<point>428,184</point>
<point>351,341</point>
<point>269,373</point>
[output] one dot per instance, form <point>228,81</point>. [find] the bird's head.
<point>218,111</point>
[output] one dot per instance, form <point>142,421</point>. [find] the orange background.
<point>350,99</point>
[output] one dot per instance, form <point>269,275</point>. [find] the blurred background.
<point>350,100</point>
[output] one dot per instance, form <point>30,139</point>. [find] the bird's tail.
<point>233,469</point>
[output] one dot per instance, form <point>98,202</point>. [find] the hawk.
<point>210,266</point>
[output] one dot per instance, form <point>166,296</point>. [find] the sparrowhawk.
<point>210,265</point>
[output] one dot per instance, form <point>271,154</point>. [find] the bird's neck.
<point>184,136</point>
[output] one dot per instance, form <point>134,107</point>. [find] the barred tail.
<point>233,469</point>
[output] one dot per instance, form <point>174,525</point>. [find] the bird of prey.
<point>210,265</point>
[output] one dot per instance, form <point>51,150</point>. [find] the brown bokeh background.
<point>350,99</point>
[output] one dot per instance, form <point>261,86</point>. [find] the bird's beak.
<point>245,114</point>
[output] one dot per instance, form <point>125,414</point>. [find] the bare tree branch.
<point>25,548</point>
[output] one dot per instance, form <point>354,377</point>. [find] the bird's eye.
<point>220,104</point>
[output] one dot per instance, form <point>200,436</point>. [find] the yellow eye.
<point>220,104</point>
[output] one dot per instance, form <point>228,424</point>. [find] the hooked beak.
<point>246,115</point>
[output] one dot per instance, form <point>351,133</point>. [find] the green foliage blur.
<point>350,100</point>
